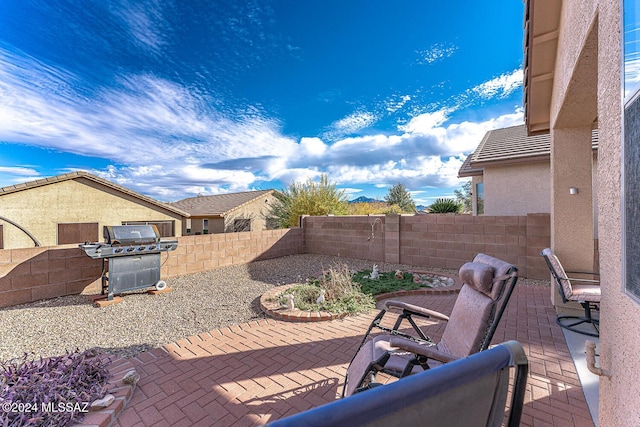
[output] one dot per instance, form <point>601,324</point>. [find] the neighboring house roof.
<point>220,204</point>
<point>510,145</point>
<point>82,174</point>
<point>466,170</point>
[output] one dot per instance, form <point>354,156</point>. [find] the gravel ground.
<point>199,302</point>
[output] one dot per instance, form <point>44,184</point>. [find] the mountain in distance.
<point>363,199</point>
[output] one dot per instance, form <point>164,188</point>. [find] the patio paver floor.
<point>260,371</point>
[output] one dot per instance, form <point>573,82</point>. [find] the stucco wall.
<point>620,315</point>
<point>576,93</point>
<point>255,211</point>
<point>517,189</point>
<point>40,209</point>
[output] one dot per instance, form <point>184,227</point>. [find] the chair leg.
<point>587,318</point>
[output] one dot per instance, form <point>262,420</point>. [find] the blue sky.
<point>175,98</point>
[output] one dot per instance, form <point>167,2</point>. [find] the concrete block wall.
<point>429,241</point>
<point>346,236</point>
<point>210,251</point>
<point>433,240</point>
<point>32,274</point>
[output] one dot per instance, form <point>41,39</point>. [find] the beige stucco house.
<point>226,213</point>
<point>73,208</point>
<point>574,68</point>
<point>510,172</point>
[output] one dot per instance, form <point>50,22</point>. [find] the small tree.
<point>306,198</point>
<point>398,195</point>
<point>464,197</point>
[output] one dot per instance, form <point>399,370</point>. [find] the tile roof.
<point>82,174</point>
<point>219,204</point>
<point>510,145</point>
<point>466,170</point>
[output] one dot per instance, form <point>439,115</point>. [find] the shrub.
<point>443,205</point>
<point>73,381</point>
<point>310,198</point>
<point>342,294</point>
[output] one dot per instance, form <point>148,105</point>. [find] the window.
<point>480,198</point>
<point>241,225</point>
<point>165,228</point>
<point>205,226</point>
<point>631,149</point>
<point>79,232</point>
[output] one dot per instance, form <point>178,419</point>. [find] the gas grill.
<point>130,257</point>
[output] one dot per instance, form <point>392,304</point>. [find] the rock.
<point>289,305</point>
<point>131,377</point>
<point>102,403</point>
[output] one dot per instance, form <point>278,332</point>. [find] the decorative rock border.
<point>121,391</point>
<point>272,308</point>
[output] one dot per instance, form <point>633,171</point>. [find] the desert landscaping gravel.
<point>198,303</point>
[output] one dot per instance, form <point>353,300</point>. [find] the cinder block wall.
<point>445,241</point>
<point>433,240</point>
<point>32,274</point>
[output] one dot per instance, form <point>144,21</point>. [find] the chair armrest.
<point>415,310</point>
<point>582,272</point>
<point>573,279</point>
<point>429,351</point>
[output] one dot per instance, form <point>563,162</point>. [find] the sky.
<point>178,98</point>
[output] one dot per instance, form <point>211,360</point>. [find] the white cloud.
<point>145,22</point>
<point>396,103</point>
<point>169,142</point>
<point>354,122</point>
<point>350,192</point>
<point>18,170</point>
<point>501,86</point>
<point>436,53</point>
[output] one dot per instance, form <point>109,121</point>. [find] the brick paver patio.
<point>253,373</point>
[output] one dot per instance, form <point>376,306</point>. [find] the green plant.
<point>464,197</point>
<point>386,282</point>
<point>444,205</point>
<point>309,198</point>
<point>399,195</point>
<point>54,391</point>
<point>342,294</point>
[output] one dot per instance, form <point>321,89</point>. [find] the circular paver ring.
<point>271,307</point>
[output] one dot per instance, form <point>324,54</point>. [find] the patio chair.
<point>467,392</point>
<point>487,286</point>
<point>587,294</point>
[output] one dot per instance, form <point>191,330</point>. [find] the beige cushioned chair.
<point>583,291</point>
<point>487,286</point>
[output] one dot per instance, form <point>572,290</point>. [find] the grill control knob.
<point>152,247</point>
<point>141,248</point>
<point>117,250</point>
<point>130,249</point>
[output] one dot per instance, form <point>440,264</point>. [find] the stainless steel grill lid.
<point>130,234</point>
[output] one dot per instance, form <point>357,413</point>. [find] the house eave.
<point>541,27</point>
